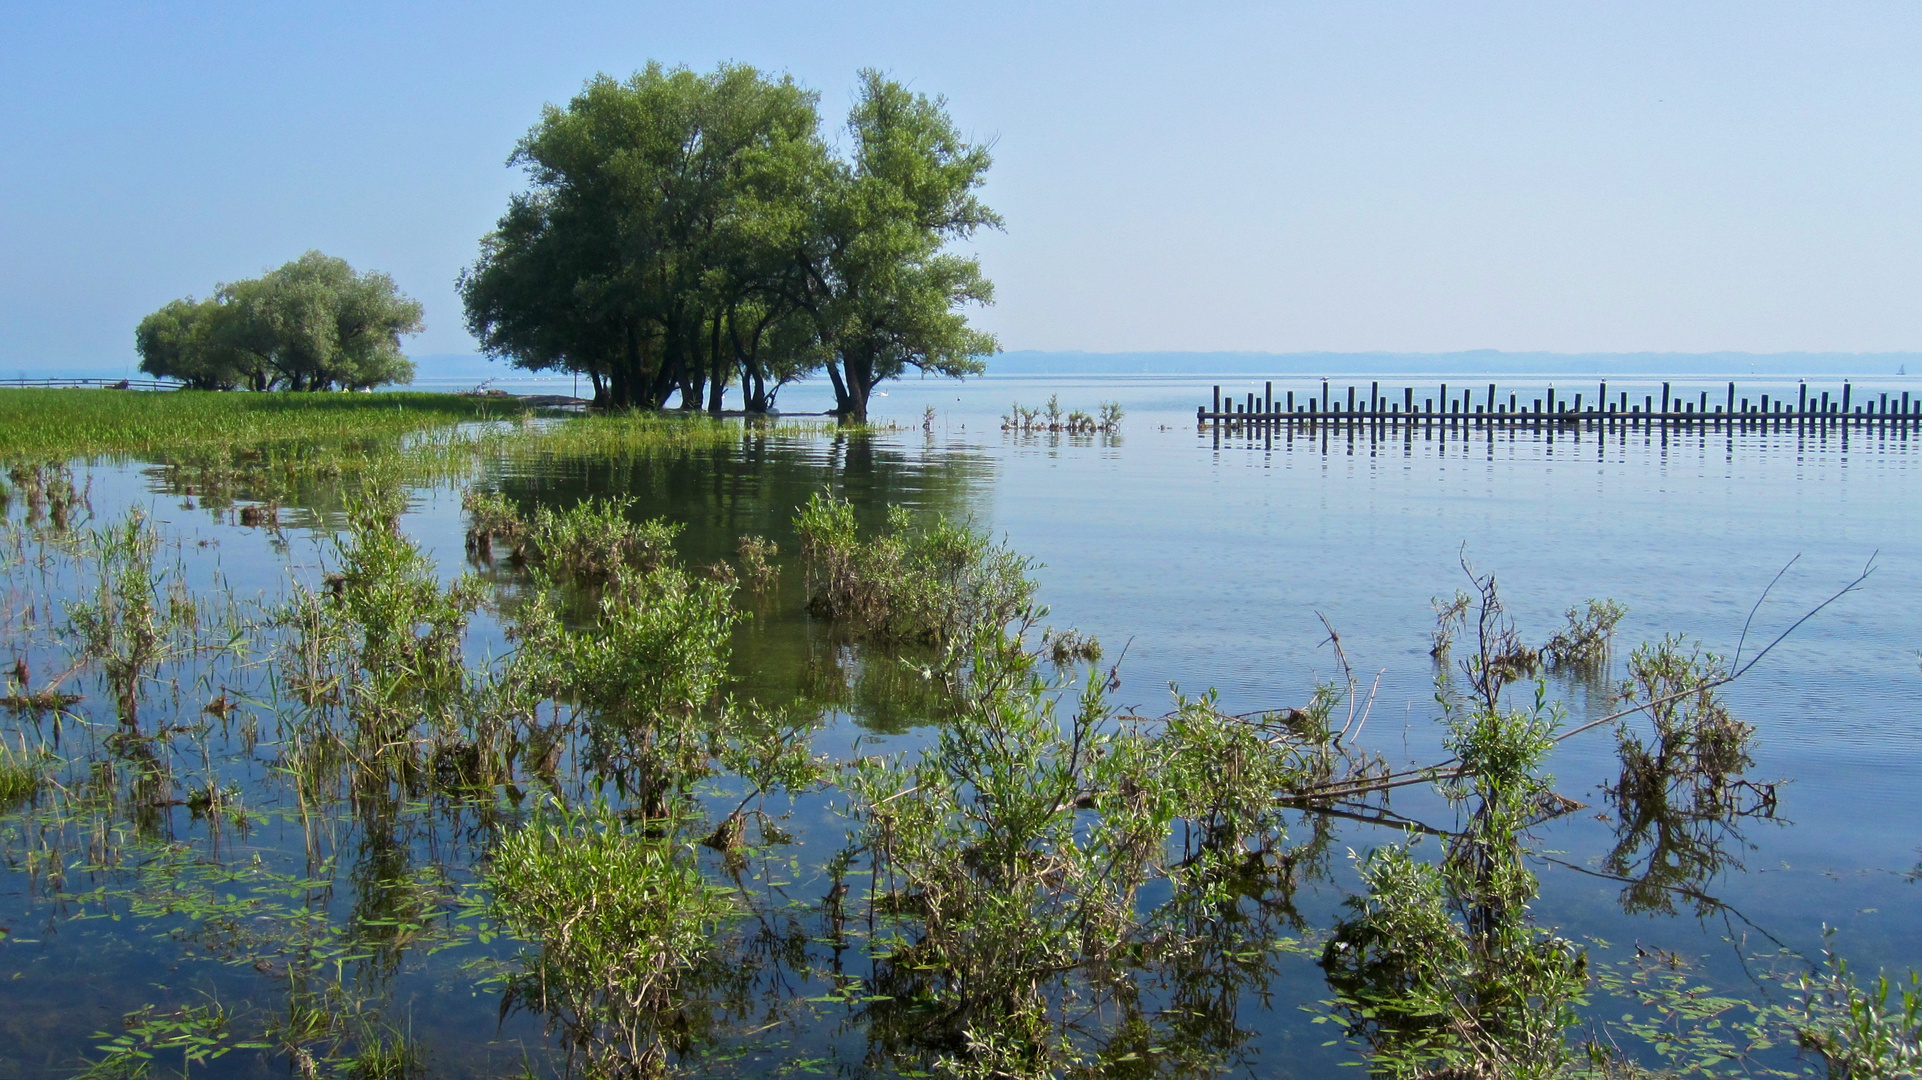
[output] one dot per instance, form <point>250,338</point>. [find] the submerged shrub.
<point>403,629</point>
<point>1680,790</point>
<point>586,544</point>
<point>1584,642</point>
<point>1861,1033</point>
<point>1451,617</point>
<point>1013,853</point>
<point>642,675</point>
<point>757,562</point>
<point>938,585</point>
<point>490,517</point>
<point>619,920</point>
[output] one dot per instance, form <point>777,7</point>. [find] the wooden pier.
<point>1479,407</point>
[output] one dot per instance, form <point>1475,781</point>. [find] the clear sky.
<point>1251,176</point>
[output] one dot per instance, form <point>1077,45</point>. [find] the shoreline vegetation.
<point>1046,886</point>
<point>58,424</point>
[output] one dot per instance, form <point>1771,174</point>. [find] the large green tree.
<point>624,259</point>
<point>688,232</point>
<point>879,280</point>
<point>312,324</point>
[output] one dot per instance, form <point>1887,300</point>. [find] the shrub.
<point>938,585</point>
<point>619,919</point>
<point>1583,643</point>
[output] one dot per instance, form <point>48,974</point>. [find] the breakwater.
<point>1489,405</point>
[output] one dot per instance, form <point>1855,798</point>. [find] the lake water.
<point>1203,563</point>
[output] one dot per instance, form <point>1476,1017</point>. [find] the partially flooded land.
<point>426,737</point>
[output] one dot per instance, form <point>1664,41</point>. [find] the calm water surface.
<point>1201,564</point>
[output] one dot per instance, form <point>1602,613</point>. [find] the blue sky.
<point>1252,176</point>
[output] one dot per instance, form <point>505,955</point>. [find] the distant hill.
<point>1475,362</point>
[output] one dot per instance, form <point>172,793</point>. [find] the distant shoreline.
<point>472,369</point>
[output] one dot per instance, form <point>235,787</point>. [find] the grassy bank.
<point>71,423</point>
<point>61,424</point>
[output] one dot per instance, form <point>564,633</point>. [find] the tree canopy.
<point>312,324</point>
<point>687,232</point>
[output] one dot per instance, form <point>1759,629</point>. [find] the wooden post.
<point>1664,399</point>
<point>1802,399</point>
<point>1268,399</point>
<point>1217,399</point>
<point>1731,397</point>
<point>1845,397</point>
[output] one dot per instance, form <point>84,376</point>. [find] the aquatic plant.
<point>940,584</point>
<point>641,675</point>
<point>20,777</point>
<point>1860,1033</point>
<point>1584,642</point>
<point>758,568</point>
<point>1011,855</point>
<point>1050,418</point>
<point>584,544</point>
<point>1451,618</point>
<point>1680,790</point>
<point>1438,967</point>
<point>619,920</point>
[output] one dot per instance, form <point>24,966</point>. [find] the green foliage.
<point>943,584</point>
<point>1861,1033</point>
<point>593,540</point>
<point>646,675</point>
<point>1583,643</point>
<point>686,231</point>
<point>619,919</point>
<point>403,629</point>
<point>1013,853</point>
<point>880,285</point>
<point>20,777</point>
<point>197,1034</point>
<point>1051,419</point>
<point>313,324</point>
<point>1680,790</point>
<point>65,423</point>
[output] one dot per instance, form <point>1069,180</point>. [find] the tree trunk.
<point>843,403</point>
<point>717,379</point>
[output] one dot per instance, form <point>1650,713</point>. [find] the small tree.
<point>179,342</point>
<point>313,324</point>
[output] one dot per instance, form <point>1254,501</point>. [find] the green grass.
<point>72,423</point>
<point>61,424</point>
<point>642,434</point>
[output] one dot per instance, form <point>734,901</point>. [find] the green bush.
<point>619,919</point>
<point>938,585</point>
